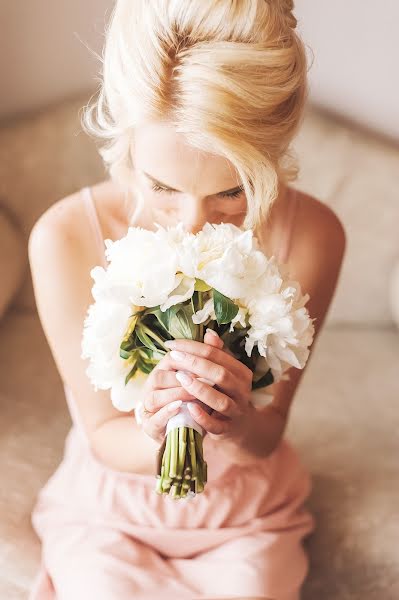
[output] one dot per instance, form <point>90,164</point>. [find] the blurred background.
<point>344,420</point>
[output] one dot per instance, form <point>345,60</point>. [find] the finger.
<point>204,368</point>
<point>155,424</point>
<point>216,355</point>
<point>163,378</point>
<point>209,422</point>
<point>213,339</point>
<point>220,402</point>
<point>158,398</point>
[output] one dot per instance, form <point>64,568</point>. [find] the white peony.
<point>148,269</point>
<point>281,328</point>
<point>104,328</point>
<point>228,259</point>
<point>143,267</point>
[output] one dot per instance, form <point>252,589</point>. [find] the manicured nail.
<point>192,407</point>
<point>173,405</point>
<point>208,330</point>
<point>177,355</point>
<point>183,378</point>
<point>169,343</point>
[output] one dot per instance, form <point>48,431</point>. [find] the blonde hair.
<point>231,75</point>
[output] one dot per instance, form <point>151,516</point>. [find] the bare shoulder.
<point>66,219</point>
<point>62,252</point>
<point>317,253</point>
<point>317,227</point>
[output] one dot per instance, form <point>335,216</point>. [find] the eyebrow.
<point>234,189</point>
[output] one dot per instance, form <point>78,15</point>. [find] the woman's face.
<point>180,183</point>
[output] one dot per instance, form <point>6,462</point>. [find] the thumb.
<point>213,339</point>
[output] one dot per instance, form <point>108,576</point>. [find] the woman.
<point>198,105</point>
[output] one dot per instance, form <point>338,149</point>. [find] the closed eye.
<point>235,194</point>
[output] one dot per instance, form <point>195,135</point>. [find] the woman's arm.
<point>132,444</point>
<point>318,249</point>
<point>61,258</point>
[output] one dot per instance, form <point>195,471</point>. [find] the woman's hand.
<point>162,397</point>
<point>229,398</point>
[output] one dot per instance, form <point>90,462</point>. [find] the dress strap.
<point>288,227</point>
<point>95,222</point>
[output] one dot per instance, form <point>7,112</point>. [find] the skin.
<point>190,181</point>
<point>61,252</point>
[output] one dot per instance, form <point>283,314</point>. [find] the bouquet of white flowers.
<point>170,284</point>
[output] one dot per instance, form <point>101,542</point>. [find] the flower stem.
<point>193,453</point>
<point>180,464</point>
<point>174,448</point>
<point>160,456</point>
<point>201,325</point>
<point>182,451</point>
<point>166,478</point>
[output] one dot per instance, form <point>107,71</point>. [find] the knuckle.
<point>223,405</point>
<point>157,376</point>
<point>208,351</point>
<point>150,403</point>
<point>220,429</point>
<point>219,374</point>
<point>176,394</point>
<point>193,360</point>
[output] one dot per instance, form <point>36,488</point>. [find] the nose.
<point>194,215</point>
<point>194,228</point>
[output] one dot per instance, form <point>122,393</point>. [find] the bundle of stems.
<point>181,468</point>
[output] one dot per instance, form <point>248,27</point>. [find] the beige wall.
<point>355,43</point>
<point>44,55</point>
<point>356,52</point>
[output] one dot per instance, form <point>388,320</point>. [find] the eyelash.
<point>235,194</point>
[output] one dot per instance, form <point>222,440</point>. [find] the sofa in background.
<point>344,417</point>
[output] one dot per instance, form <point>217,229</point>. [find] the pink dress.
<point>107,535</point>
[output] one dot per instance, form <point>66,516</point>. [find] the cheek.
<point>163,203</point>
<point>232,207</point>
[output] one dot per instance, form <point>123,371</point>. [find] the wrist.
<point>240,444</point>
<point>259,437</point>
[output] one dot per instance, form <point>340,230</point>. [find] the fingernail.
<point>192,407</point>
<point>173,405</point>
<point>183,378</point>
<point>208,330</point>
<point>177,355</point>
<point>169,343</point>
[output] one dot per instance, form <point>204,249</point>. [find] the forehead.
<point>165,154</point>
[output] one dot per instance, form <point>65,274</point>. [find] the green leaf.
<point>164,317</point>
<point>129,345</point>
<point>124,354</point>
<point>177,321</point>
<point>144,366</point>
<point>148,359</point>
<point>225,309</point>
<point>152,332</point>
<point>201,286</point>
<point>181,324</point>
<point>145,339</point>
<point>131,373</point>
